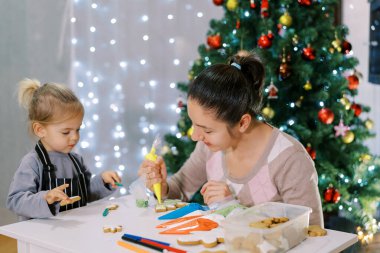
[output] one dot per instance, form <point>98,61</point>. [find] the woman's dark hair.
<point>231,90</point>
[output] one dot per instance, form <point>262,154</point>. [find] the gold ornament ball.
<point>368,124</point>
<point>190,132</point>
<point>344,101</point>
<point>286,19</point>
<point>348,137</point>
<point>365,158</point>
<point>308,86</point>
<point>337,45</point>
<point>232,5</point>
<point>268,112</point>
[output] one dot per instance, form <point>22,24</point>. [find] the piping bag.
<point>152,156</point>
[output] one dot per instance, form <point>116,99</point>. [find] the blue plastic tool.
<point>183,211</point>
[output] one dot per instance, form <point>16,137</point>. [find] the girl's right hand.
<point>56,194</point>
<point>154,172</point>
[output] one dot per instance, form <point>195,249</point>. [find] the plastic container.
<point>241,237</point>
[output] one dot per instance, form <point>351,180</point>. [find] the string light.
<point>115,83</point>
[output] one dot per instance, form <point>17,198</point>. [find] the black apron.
<point>77,184</point>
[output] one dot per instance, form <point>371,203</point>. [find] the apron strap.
<point>82,179</point>
<point>48,173</point>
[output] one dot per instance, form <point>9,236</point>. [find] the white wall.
<point>356,16</point>
<point>28,48</point>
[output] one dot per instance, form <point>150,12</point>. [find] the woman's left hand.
<point>111,177</point>
<point>215,191</point>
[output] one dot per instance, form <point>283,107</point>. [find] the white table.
<point>81,230</point>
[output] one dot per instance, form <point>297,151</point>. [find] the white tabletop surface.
<point>81,230</point>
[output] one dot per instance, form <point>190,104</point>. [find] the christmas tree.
<point>310,90</point>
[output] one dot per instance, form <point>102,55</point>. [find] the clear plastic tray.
<point>241,237</point>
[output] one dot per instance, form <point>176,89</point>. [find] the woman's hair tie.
<point>236,65</point>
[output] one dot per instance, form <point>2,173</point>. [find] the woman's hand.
<point>154,172</point>
<point>111,177</point>
<point>215,191</point>
<point>57,194</point>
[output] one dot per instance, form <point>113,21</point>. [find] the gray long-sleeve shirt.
<point>25,196</point>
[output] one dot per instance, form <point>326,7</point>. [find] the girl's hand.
<point>111,177</point>
<point>154,172</point>
<point>56,194</point>
<point>215,191</point>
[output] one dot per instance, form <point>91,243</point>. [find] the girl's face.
<point>214,133</point>
<point>63,136</point>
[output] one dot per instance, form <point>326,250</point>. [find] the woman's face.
<point>212,132</point>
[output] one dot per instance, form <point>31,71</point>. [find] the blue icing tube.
<point>183,211</point>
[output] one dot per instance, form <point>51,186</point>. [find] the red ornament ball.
<point>308,53</point>
<point>270,35</point>
<point>312,152</point>
<point>331,195</point>
<point>357,109</point>
<point>214,41</point>
<point>264,41</point>
<point>326,116</point>
<point>346,47</point>
<point>218,2</point>
<point>353,82</point>
<point>304,2</point>
<point>264,9</point>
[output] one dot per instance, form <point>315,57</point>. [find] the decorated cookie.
<point>160,208</point>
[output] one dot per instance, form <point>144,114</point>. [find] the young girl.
<point>51,172</point>
<point>238,156</point>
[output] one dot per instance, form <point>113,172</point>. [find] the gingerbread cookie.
<point>316,230</point>
<point>206,241</point>
<point>110,229</point>
<point>169,205</point>
<point>160,208</point>
<point>70,200</point>
<point>110,208</point>
<point>269,222</point>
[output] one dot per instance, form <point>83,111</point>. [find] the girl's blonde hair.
<point>49,103</point>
